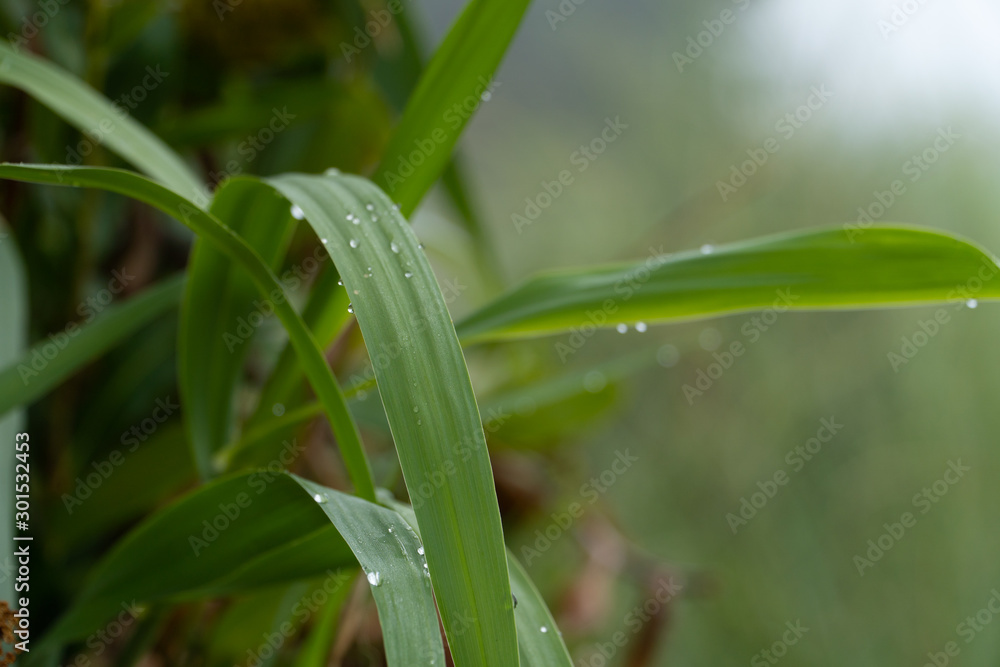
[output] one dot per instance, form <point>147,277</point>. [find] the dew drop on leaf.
<point>297,212</point>
<point>972,303</point>
<point>707,249</point>
<point>374,578</point>
<point>393,246</point>
<point>641,327</point>
<point>622,328</point>
<point>354,243</point>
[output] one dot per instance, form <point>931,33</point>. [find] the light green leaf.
<point>51,360</point>
<point>429,402</point>
<point>88,111</point>
<point>217,320</point>
<point>450,90</point>
<point>209,227</point>
<point>823,269</point>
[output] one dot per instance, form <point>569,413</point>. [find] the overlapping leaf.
<point>826,269</point>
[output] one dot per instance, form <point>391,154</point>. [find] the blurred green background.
<point>894,89</point>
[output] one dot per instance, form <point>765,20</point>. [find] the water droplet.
<point>486,96</point>
<point>396,207</point>
<point>374,578</point>
<point>297,212</point>
<point>710,339</point>
<point>369,207</point>
<point>425,566</point>
<point>419,422</point>
<point>972,303</point>
<point>332,171</point>
<point>543,629</point>
<point>707,249</point>
<point>622,328</point>
<point>374,218</point>
<point>420,550</point>
<point>350,308</point>
<point>668,356</point>
<point>641,327</point>
<point>354,243</point>
<point>594,381</point>
<point>320,498</point>
<point>340,282</point>
<point>408,274</point>
<point>278,409</point>
<point>420,245</point>
<point>324,241</point>
<point>393,246</point>
<point>390,529</point>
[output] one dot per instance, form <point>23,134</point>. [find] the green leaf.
<point>216,313</point>
<point>52,360</point>
<point>446,97</point>
<point>254,523</point>
<point>88,111</point>
<point>539,640</point>
<point>205,542</point>
<point>209,227</point>
<point>13,339</point>
<point>824,269</point>
<point>431,409</point>
<point>390,555</point>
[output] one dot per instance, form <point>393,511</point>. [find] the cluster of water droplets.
<point>641,327</point>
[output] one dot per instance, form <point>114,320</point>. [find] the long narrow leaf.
<point>455,82</point>
<point>209,227</point>
<point>429,402</point>
<point>52,359</point>
<point>88,111</point>
<point>221,311</point>
<point>828,269</point>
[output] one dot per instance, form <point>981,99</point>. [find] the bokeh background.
<point>900,73</point>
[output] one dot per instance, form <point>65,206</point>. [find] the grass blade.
<point>813,270</point>
<point>219,294</point>
<point>39,369</point>
<point>538,639</point>
<point>88,111</point>
<point>209,227</point>
<point>456,78</point>
<point>430,405</point>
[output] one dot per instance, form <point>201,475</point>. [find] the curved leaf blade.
<point>813,270</point>
<point>90,112</point>
<point>429,402</point>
